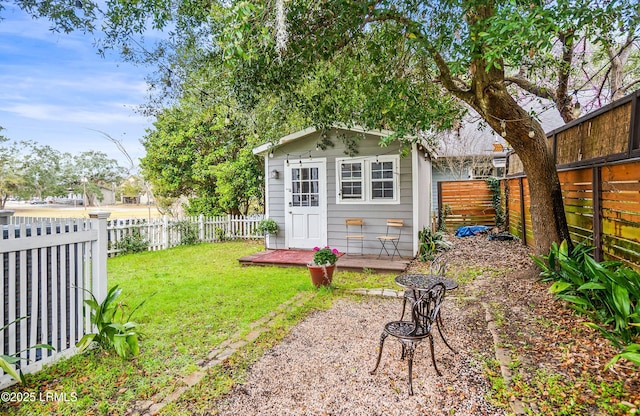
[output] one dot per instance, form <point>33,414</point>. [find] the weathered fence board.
<point>620,195</point>
<point>577,193</point>
<point>602,207</point>
<point>466,203</point>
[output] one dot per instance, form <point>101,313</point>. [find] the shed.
<point>316,179</point>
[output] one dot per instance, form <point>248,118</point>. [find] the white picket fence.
<point>50,265</point>
<point>166,232</point>
<point>47,269</point>
<point>163,233</point>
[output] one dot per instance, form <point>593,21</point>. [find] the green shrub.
<point>114,330</point>
<point>188,232</point>
<point>607,292</point>
<point>267,226</point>
<point>431,243</point>
<point>132,243</point>
<point>221,234</point>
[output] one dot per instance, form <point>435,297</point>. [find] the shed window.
<point>373,179</point>
<point>351,180</point>
<point>382,180</point>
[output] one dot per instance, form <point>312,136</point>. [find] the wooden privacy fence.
<point>602,206</point>
<point>46,268</point>
<point>598,159</point>
<point>466,203</point>
<point>518,203</point>
<point>163,233</point>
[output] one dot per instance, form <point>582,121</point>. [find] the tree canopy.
<point>30,170</point>
<point>408,66</point>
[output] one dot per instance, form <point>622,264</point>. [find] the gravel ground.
<point>322,366</point>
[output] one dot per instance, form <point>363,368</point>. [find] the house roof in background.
<point>475,139</point>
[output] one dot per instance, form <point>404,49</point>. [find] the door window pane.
<point>305,187</point>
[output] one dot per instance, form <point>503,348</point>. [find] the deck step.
<point>300,258</point>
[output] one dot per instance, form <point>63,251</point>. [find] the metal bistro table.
<point>417,282</point>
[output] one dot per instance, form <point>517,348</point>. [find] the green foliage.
<point>630,352</point>
<point>268,226</point>
<point>431,243</point>
<point>496,200</point>
<point>206,153</point>
<point>64,16</point>
<point>28,170</point>
<point>221,234</point>
<point>7,361</point>
<point>187,230</point>
<point>325,255</point>
<point>132,243</point>
<point>607,292</point>
<point>114,325</point>
<point>442,219</point>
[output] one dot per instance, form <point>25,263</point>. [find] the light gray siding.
<point>374,214</point>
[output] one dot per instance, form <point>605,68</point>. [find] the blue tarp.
<point>470,230</point>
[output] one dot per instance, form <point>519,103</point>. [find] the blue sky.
<point>55,89</point>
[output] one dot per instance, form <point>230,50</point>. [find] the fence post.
<point>99,255</point>
<point>201,227</point>
<point>596,192</point>
<point>523,217</point>
<point>165,232</point>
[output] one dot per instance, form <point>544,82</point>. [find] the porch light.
<point>275,174</point>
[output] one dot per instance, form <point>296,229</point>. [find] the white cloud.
<point>115,113</point>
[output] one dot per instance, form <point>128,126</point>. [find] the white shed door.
<point>305,205</point>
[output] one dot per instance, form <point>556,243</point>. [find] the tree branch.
<point>532,88</point>
<point>447,80</point>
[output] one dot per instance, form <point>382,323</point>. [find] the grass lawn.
<point>197,296</point>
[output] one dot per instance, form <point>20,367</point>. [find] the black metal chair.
<point>438,267</point>
<point>424,313</point>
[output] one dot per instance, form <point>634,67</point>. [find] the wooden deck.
<point>300,258</point>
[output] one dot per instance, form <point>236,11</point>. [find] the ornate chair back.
<point>439,265</point>
<point>426,308</point>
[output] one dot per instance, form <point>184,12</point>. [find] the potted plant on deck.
<point>267,226</point>
<point>323,266</point>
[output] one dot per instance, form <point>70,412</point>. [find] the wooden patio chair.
<point>354,232</point>
<point>424,313</point>
<point>392,237</point>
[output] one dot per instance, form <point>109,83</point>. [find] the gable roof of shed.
<point>310,130</point>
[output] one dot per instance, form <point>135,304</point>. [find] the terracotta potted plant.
<point>323,266</point>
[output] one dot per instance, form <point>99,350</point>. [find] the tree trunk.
<point>547,209</point>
